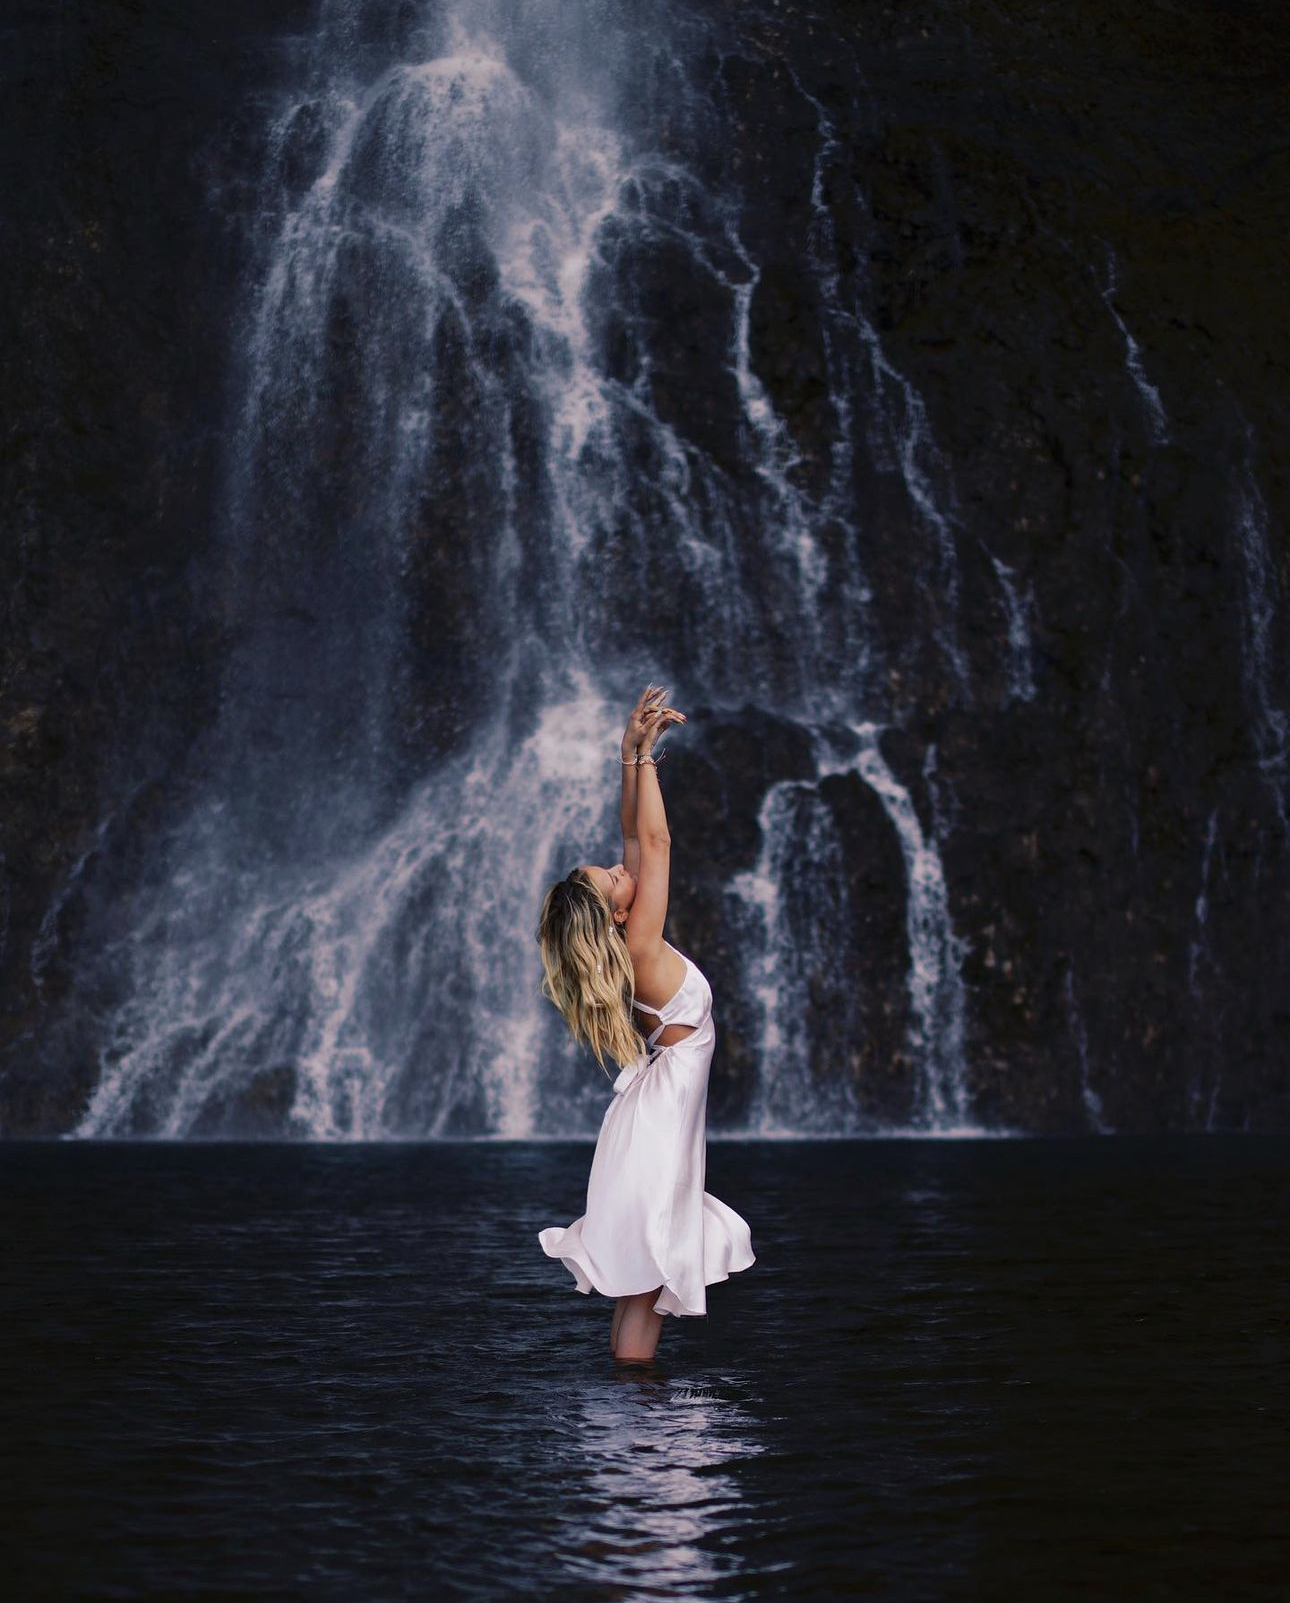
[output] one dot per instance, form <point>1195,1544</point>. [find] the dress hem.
<point>585,1284</point>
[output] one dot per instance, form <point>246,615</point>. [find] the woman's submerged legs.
<point>636,1328</point>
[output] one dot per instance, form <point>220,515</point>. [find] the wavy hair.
<point>587,970</point>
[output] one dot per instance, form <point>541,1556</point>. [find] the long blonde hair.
<point>587,969</point>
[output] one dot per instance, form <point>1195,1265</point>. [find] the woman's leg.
<point>636,1329</point>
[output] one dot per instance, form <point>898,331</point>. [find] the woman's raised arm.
<point>649,909</point>
<point>651,701</point>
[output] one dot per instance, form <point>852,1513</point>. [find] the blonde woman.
<point>652,1237</point>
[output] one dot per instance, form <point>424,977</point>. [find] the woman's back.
<point>686,1009</point>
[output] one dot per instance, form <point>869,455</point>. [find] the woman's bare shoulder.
<point>659,973</point>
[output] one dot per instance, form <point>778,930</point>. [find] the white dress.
<point>649,1222</point>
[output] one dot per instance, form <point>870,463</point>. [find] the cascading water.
<point>1092,1102</point>
<point>798,970</point>
<point>472,503</point>
<point>1019,604</point>
<point>1270,723</point>
<point>1207,1085</point>
<point>1152,405</point>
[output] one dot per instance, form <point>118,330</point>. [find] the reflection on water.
<point>661,1509</point>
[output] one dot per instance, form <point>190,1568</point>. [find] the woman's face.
<point>615,883</point>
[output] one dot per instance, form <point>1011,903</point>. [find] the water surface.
<point>957,1370</point>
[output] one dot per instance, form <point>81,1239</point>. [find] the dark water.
<point>1016,1370</point>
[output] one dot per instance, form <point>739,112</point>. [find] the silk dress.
<point>649,1223</point>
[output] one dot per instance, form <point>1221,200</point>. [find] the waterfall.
<point>1196,947</point>
<point>793,921</point>
<point>330,975</point>
<point>1149,395</point>
<point>935,952</point>
<point>1091,1101</point>
<point>1019,605</point>
<point>1203,1102</point>
<point>479,490</point>
<point>1270,723</point>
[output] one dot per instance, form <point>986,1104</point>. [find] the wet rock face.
<point>1058,231</point>
<point>1078,862</point>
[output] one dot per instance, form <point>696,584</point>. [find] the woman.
<point>651,1236</point>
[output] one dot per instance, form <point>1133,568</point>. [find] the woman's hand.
<point>656,722</point>
<point>650,702</point>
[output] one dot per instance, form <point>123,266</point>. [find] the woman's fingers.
<point>660,719</point>
<point>651,708</point>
